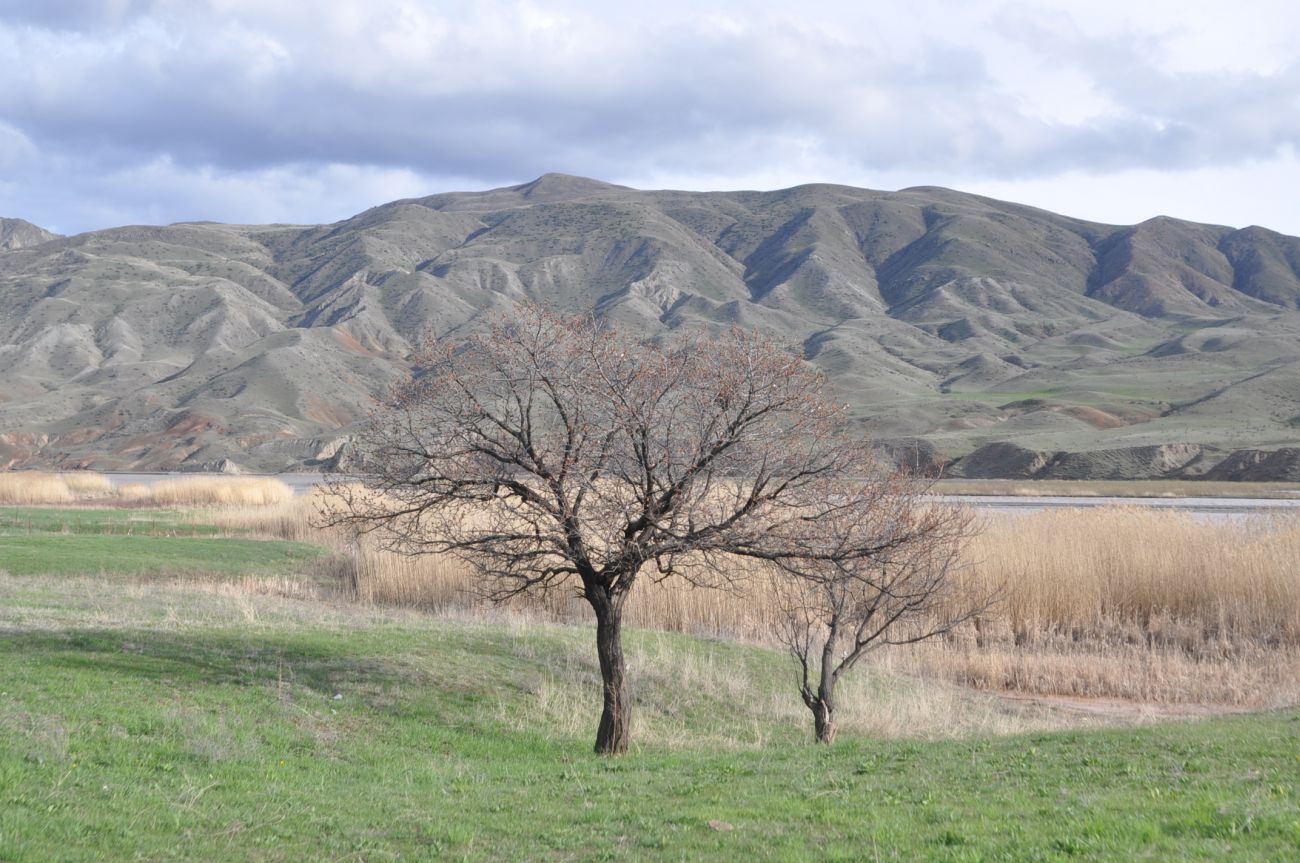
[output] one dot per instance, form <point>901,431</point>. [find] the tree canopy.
<point>550,451</point>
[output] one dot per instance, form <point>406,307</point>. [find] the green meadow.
<point>35,540</point>
<point>148,719</point>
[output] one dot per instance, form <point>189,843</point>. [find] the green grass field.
<point>139,555</point>
<point>23,520</point>
<point>73,541</point>
<point>307,733</point>
<point>148,721</point>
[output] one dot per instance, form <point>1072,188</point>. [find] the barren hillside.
<point>1014,340</point>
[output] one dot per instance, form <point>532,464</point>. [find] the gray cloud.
<point>201,97</point>
<point>71,14</point>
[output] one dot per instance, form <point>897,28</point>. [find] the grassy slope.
<point>185,726</point>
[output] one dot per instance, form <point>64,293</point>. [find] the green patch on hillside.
<point>405,738</point>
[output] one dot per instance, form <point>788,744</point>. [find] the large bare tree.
<point>883,570</point>
<point>548,450</point>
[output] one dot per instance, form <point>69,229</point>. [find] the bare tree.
<point>548,451</point>
<point>838,603</point>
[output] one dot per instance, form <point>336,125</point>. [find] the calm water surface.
<point>1210,507</point>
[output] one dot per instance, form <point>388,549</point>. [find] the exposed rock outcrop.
<point>1252,465</point>
<point>1142,462</point>
<point>1003,460</point>
<point>18,234</point>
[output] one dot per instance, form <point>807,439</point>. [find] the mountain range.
<point>1001,339</point>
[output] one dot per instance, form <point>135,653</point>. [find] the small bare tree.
<point>548,451</point>
<point>879,571</point>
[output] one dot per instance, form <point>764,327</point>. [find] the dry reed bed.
<point>1115,602</point>
<point>81,487</point>
<point>46,488</point>
<point>219,491</point>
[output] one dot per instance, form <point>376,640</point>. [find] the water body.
<point>301,483</point>
<point>1209,507</point>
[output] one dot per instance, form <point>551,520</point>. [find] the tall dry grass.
<point>83,484</point>
<point>219,491</point>
<point>1126,602</point>
<point>1133,573</point>
<point>1115,602</point>
<point>34,487</point>
<point>293,519</point>
<point>37,488</point>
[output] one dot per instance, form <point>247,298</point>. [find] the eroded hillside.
<point>1015,340</point>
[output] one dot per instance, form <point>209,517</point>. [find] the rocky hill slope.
<point>17,234</point>
<point>1014,340</point>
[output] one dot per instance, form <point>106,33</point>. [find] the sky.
<point>154,111</point>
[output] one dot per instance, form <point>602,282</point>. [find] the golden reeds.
<point>133,492</point>
<point>85,484</point>
<point>34,487</point>
<point>219,491</point>
<point>1175,578</point>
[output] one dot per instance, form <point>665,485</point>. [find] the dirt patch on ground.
<point>349,342</point>
<point>1094,417</point>
<point>327,413</point>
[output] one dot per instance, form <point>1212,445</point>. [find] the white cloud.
<point>1250,193</point>
<point>161,191</point>
<point>16,149</point>
<point>243,108</point>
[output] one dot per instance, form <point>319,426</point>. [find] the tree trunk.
<point>823,704</point>
<point>616,716</point>
<point>823,721</point>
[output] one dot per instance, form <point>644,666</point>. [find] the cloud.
<point>209,101</point>
<point>162,191</point>
<point>71,14</point>
<point>16,150</point>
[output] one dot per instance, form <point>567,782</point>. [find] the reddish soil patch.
<point>1095,417</point>
<point>326,413</point>
<point>349,342</point>
<point>82,435</point>
<point>176,440</point>
<point>191,423</point>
